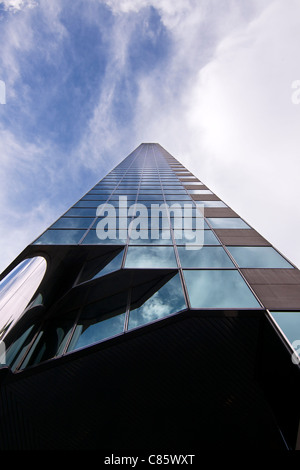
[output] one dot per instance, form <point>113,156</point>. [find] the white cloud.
<point>17,5</point>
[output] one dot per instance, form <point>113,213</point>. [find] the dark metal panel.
<point>241,237</point>
<point>219,212</point>
<point>187,382</point>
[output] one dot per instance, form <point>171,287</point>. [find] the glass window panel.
<point>50,341</point>
<point>76,222</point>
<point>258,257</point>
<point>150,257</point>
<point>227,222</point>
<point>289,323</point>
<point>167,300</point>
<point>195,237</point>
<point>60,237</point>
<point>180,197</point>
<point>17,349</point>
<point>205,257</point>
<point>112,266</point>
<point>175,191</point>
<point>88,203</point>
<point>188,223</point>
<point>77,212</point>
<point>218,289</point>
<point>92,239</point>
<point>94,197</point>
<point>152,197</point>
<point>152,237</point>
<point>100,321</point>
<point>208,238</point>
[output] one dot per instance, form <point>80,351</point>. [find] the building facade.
<point>150,316</point>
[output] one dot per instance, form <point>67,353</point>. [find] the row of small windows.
<point>112,223</point>
<point>119,313</point>
<point>78,211</point>
<point>139,256</point>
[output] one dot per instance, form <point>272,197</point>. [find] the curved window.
<point>18,288</point>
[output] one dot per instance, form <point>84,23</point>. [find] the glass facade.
<point>142,250</point>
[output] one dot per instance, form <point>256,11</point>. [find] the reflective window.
<point>195,237</point>
<point>167,300</point>
<point>227,222</point>
<point>207,237</point>
<point>94,197</point>
<point>205,257</point>
<point>18,347</point>
<point>150,257</point>
<point>88,203</point>
<point>77,212</point>
<point>289,323</point>
<point>188,223</point>
<point>258,257</point>
<point>180,197</point>
<point>100,320</point>
<point>101,265</point>
<point>60,237</point>
<point>17,289</point>
<point>152,237</point>
<point>68,222</point>
<point>153,197</point>
<point>50,341</point>
<point>112,239</point>
<point>218,289</point>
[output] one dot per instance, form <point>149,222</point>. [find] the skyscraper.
<point>150,315</point>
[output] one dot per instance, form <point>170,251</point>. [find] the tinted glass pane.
<point>88,203</point>
<point>60,237</point>
<point>150,257</point>
<point>258,257</point>
<point>218,289</point>
<point>181,197</point>
<point>165,301</point>
<point>68,222</point>
<point>50,341</point>
<point>289,323</point>
<point>227,222</point>
<point>113,265</point>
<point>81,213</point>
<point>94,197</point>
<point>206,257</point>
<point>208,238</point>
<point>92,239</point>
<point>100,321</point>
<point>153,237</point>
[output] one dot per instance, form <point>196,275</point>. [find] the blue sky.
<point>88,81</point>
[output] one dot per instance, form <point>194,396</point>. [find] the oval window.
<point>18,288</point>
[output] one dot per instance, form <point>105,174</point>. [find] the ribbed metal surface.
<point>186,382</point>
